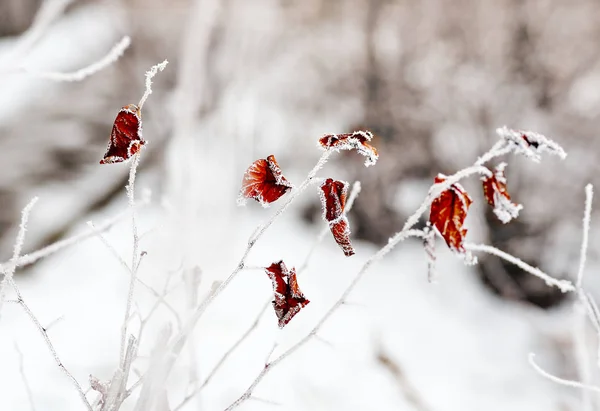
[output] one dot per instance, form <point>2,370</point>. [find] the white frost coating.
<point>149,76</point>
<point>112,56</point>
<point>256,168</point>
<point>504,209</point>
<point>352,142</point>
<point>10,270</point>
<point>589,195</point>
<point>562,285</point>
<point>339,212</point>
<point>530,143</point>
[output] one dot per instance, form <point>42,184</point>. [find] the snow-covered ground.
<point>455,345</point>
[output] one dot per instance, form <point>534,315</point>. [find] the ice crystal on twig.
<point>530,143</point>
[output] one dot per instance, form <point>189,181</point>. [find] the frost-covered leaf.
<point>333,199</point>
<point>358,140</point>
<point>264,182</point>
<point>448,214</point>
<point>289,300</point>
<point>530,144</point>
<point>494,190</point>
<point>126,136</point>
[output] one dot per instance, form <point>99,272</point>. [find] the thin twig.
<point>112,56</point>
<point>133,270</point>
<point>149,76</point>
<point>497,150</point>
<point>562,285</point>
<point>558,380</point>
<point>589,196</point>
<point>272,364</point>
<point>10,271</point>
<point>181,338</point>
<point>53,248</point>
<point>24,378</point>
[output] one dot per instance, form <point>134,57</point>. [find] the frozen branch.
<point>10,270</point>
<point>8,279</point>
<point>589,196</point>
<point>342,300</point>
<point>111,57</point>
<point>558,380</point>
<point>149,76</point>
<point>562,285</point>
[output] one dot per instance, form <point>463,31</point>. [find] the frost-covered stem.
<point>356,187</point>
<point>342,300</point>
<point>224,358</point>
<point>8,280</point>
<point>581,353</point>
<point>497,150</point>
<point>10,270</point>
<point>562,285</point>
<point>53,248</point>
<point>50,346</point>
<point>558,380</point>
<point>111,57</point>
<point>134,261</point>
<point>149,76</point>
<point>24,378</point>
<point>579,307</point>
<point>589,196</point>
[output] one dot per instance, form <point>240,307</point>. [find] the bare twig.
<point>558,380</point>
<point>9,280</point>
<point>24,378</point>
<point>562,285</point>
<point>111,57</point>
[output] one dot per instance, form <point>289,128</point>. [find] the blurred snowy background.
<point>249,78</point>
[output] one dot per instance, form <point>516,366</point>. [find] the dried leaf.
<point>289,300</point>
<point>494,190</point>
<point>352,141</point>
<point>264,182</point>
<point>448,214</point>
<point>333,200</point>
<point>125,137</point>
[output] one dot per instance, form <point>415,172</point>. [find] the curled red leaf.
<point>125,137</point>
<point>289,300</point>
<point>333,199</point>
<point>358,140</point>
<point>448,214</point>
<point>494,190</point>
<point>264,182</point>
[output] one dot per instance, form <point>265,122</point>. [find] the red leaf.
<point>264,182</point>
<point>126,136</point>
<point>289,300</point>
<point>352,141</point>
<point>448,213</point>
<point>494,190</point>
<point>333,199</point>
